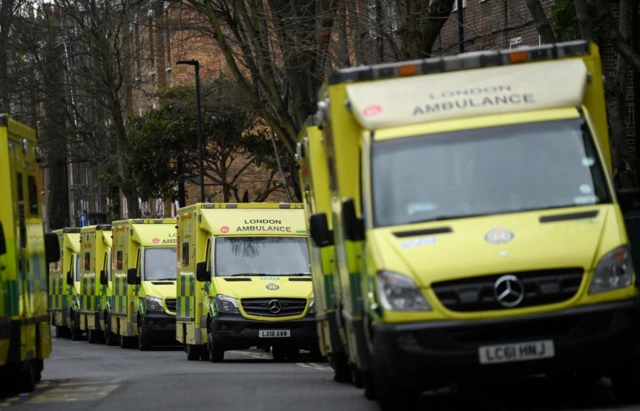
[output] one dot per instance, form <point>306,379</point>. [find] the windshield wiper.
<point>163,279</point>
<point>296,274</point>
<point>246,274</point>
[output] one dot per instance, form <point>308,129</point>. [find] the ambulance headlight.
<point>153,303</point>
<point>312,306</point>
<point>227,304</point>
<point>614,271</point>
<point>399,293</point>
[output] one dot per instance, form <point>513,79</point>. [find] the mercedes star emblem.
<point>509,291</point>
<point>274,306</point>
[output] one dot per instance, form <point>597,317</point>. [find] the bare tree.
<point>541,21</point>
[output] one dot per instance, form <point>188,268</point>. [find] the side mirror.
<point>52,247</point>
<point>69,278</point>
<point>103,277</point>
<point>3,242</point>
<point>319,230</point>
<point>202,274</point>
<point>353,226</point>
<point>132,276</point>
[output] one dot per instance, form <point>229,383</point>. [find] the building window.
<point>455,5</point>
<point>515,43</point>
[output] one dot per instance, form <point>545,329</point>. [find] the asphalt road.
<point>81,376</point>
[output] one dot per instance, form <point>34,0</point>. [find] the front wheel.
<point>216,352</point>
<point>76,333</point>
<point>109,337</point>
<point>93,336</point>
<point>193,352</point>
<point>144,342</point>
<point>341,369</point>
<point>625,383</point>
<point>125,342</point>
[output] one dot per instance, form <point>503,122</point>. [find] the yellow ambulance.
<point>244,280</point>
<point>25,250</point>
<point>314,184</point>
<point>64,280</point>
<point>475,217</point>
<point>143,308</point>
<point>94,276</point>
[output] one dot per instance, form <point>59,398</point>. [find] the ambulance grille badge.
<point>272,286</point>
<point>274,306</point>
<point>498,235</point>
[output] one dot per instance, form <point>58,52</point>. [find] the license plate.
<point>274,333</point>
<point>535,350</point>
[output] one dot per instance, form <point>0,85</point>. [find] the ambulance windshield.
<point>261,256</point>
<point>494,170</point>
<point>160,264</point>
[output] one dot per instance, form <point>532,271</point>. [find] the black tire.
<point>39,369</point>
<point>293,354</point>
<point>358,377</point>
<point>93,336</point>
<point>76,333</point>
<point>27,376</point>
<point>392,394</point>
<point>193,352</point>
<point>341,369</point>
<point>369,386</point>
<point>144,341</point>
<point>316,355</point>
<point>109,337</point>
<point>279,354</point>
<point>125,342</point>
<point>216,352</point>
<point>59,331</point>
<point>625,383</point>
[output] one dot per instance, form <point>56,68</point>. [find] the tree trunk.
<point>614,33</point>
<point>6,15</point>
<point>616,103</point>
<point>584,22</point>
<point>541,21</point>
<point>419,33</point>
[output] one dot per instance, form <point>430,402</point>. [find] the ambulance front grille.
<point>171,304</point>
<point>537,288</point>
<point>268,307</point>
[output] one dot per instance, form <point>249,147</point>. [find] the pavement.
<point>80,376</point>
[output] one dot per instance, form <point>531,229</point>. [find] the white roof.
<point>468,93</point>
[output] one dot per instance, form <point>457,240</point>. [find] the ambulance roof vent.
<point>138,220</point>
<point>208,205</point>
<point>158,220</point>
<point>466,61</point>
<point>285,205</point>
<point>71,230</point>
<point>103,227</point>
<point>232,205</point>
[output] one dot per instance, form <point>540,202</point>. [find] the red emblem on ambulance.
<point>224,229</point>
<point>156,240</point>
<point>372,110</point>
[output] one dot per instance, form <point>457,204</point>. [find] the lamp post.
<point>196,64</point>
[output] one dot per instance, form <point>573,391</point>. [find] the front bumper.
<point>159,326</point>
<point>585,338</point>
<point>237,332</point>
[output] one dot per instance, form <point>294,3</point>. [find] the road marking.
<point>313,366</point>
<point>66,391</point>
